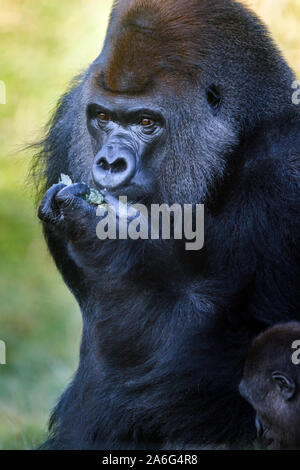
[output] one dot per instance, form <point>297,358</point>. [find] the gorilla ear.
<point>284,385</point>
<point>213,97</point>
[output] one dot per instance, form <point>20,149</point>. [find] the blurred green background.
<point>44,43</point>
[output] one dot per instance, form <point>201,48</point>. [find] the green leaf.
<point>65,179</point>
<point>94,197</point>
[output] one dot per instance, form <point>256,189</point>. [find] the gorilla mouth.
<point>263,433</point>
<point>133,194</point>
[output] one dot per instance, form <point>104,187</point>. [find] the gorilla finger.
<point>48,211</point>
<point>70,194</point>
<point>71,202</point>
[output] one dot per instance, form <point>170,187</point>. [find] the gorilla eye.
<point>145,122</point>
<point>103,117</point>
<point>213,97</point>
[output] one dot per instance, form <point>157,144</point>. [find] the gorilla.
<point>189,102</point>
<point>271,382</point>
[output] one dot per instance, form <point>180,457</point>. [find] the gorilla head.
<point>176,87</point>
<point>271,382</point>
<point>189,102</point>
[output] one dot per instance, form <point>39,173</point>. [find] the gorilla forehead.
<point>273,346</point>
<point>152,39</point>
<point>144,43</point>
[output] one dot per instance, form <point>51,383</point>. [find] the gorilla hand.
<point>64,208</point>
<point>66,213</point>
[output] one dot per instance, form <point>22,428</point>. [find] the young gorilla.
<point>189,102</point>
<point>271,384</point>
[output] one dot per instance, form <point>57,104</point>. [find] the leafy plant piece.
<point>94,197</point>
<point>65,179</point>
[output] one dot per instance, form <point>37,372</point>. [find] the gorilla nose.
<point>113,171</point>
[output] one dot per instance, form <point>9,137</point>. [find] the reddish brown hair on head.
<point>150,38</point>
<point>153,37</point>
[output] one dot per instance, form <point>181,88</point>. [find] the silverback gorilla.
<point>189,102</point>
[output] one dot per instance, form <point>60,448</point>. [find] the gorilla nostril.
<point>103,164</point>
<point>119,166</point>
<point>112,169</point>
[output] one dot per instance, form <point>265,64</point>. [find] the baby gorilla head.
<point>270,384</point>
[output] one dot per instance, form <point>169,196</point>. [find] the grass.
<point>43,44</point>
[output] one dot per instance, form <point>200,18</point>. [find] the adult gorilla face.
<point>136,146</point>
<point>127,137</point>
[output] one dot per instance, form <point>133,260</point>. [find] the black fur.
<point>166,331</point>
